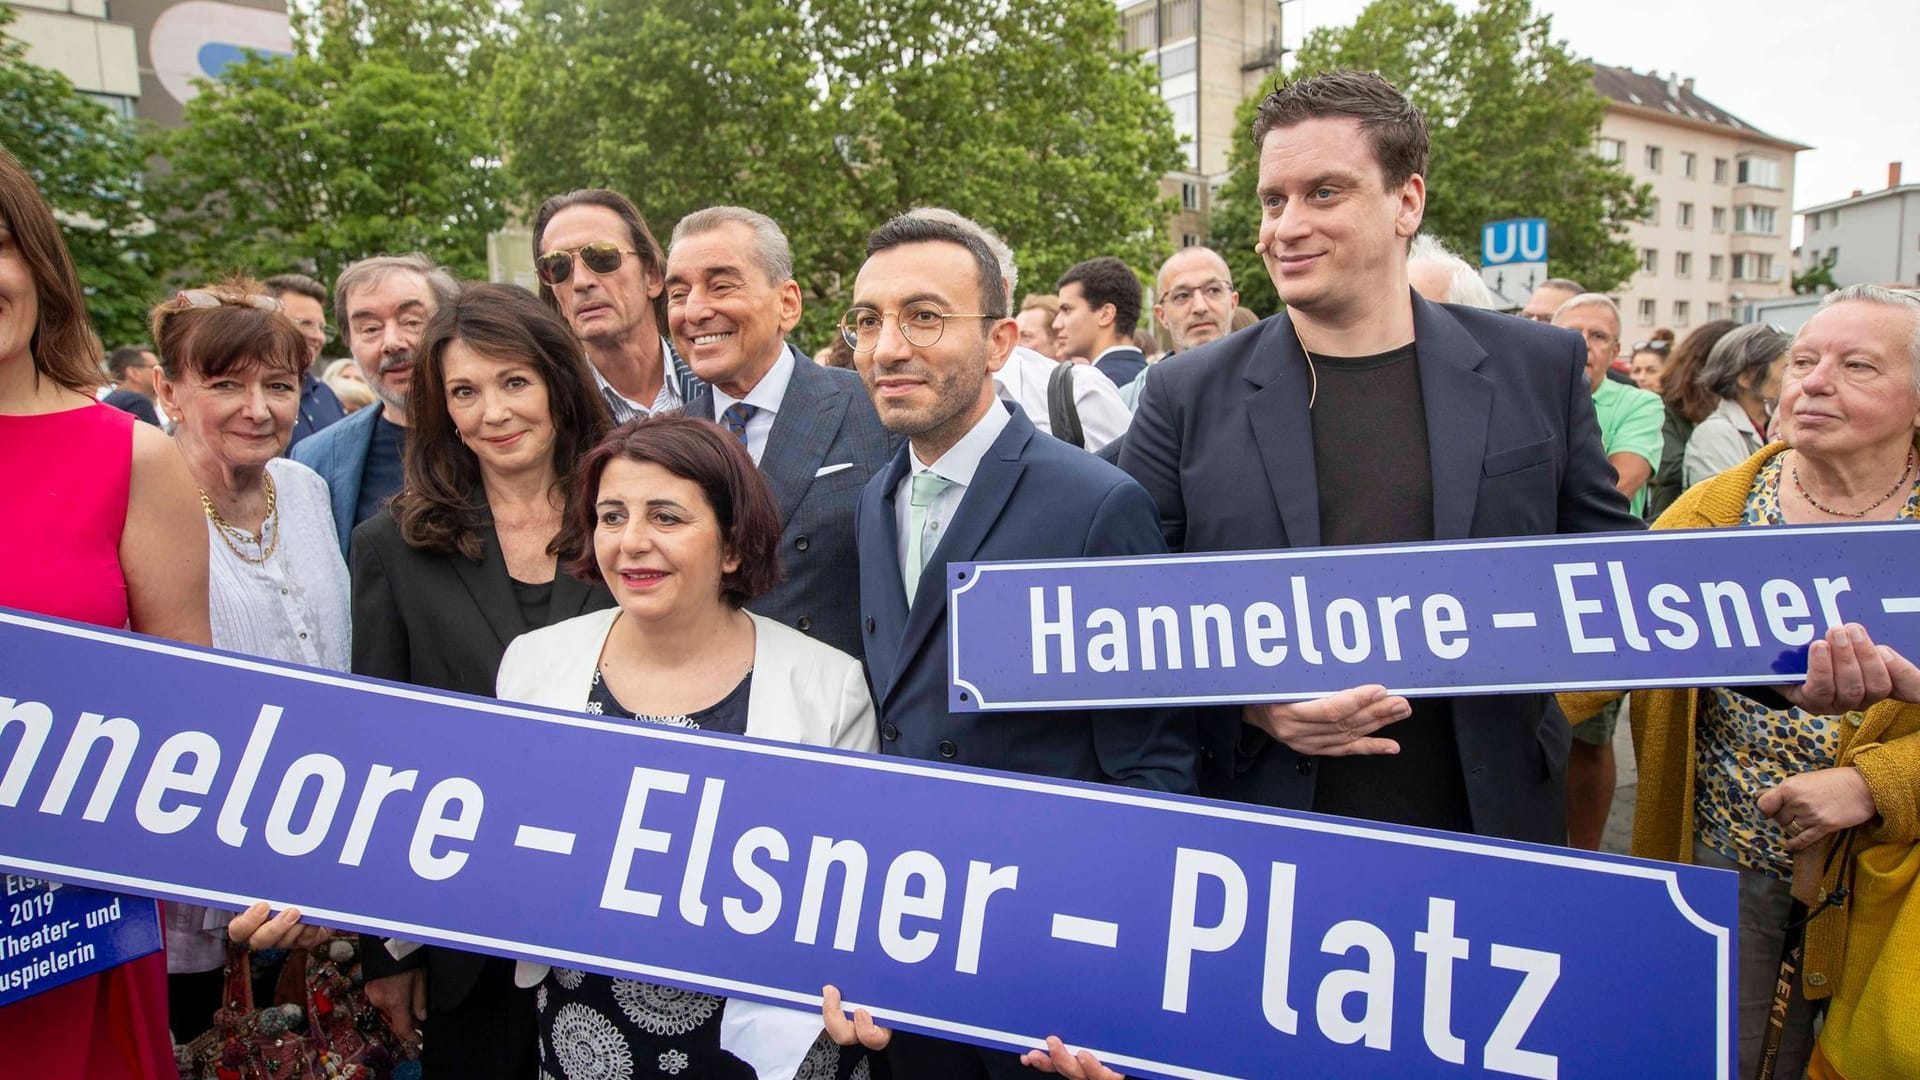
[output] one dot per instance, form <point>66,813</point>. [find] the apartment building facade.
<point>1212,55</point>
<point>1718,234</point>
<point>1871,237</point>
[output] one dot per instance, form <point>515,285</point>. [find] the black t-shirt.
<point>1375,475</point>
<point>382,475</point>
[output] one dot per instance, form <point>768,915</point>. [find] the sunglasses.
<point>601,257</point>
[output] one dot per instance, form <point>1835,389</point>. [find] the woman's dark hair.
<point>1677,386</point>
<point>442,503</point>
<point>242,330</point>
<point>710,456</point>
<point>64,347</point>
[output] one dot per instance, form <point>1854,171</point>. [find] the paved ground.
<point>1619,832</point>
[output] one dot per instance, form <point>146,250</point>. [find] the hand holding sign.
<point>257,928</point>
<point>1074,1066</point>
<point>1847,671</point>
<point>1333,726</point>
<point>859,1031</point>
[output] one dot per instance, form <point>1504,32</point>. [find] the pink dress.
<point>63,497</point>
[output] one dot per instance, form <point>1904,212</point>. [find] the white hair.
<point>1903,301</point>
<point>1589,299</point>
<point>1463,282</point>
<point>1002,254</point>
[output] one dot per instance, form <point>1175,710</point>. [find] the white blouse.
<point>293,607</point>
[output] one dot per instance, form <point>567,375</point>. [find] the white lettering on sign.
<point>1677,611</point>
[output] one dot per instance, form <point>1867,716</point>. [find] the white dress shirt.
<point>624,408</point>
<point>765,396</point>
<point>957,465</point>
<point>1103,412</point>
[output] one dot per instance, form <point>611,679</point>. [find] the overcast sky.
<point>1839,75</point>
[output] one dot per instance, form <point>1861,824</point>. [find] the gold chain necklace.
<point>1864,511</point>
<point>229,531</point>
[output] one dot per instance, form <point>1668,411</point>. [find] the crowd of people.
<point>632,495</point>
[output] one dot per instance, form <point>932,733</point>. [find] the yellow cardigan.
<point>1865,955</point>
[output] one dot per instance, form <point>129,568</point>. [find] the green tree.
<point>87,163</point>
<point>1513,117</point>
<point>1818,277</point>
<point>833,115</point>
<point>296,162</point>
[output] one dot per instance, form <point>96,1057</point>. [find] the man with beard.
<point>383,303</point>
<point>929,325</point>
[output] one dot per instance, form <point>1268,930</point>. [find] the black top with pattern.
<point>596,1027</point>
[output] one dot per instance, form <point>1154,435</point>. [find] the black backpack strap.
<point>1063,416</point>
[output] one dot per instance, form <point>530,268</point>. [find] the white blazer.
<point>803,691</point>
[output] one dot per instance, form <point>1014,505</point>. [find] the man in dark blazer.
<point>383,304</point>
<point>1099,309</point>
<point>731,300</point>
<point>1365,414</point>
<point>1006,491</point>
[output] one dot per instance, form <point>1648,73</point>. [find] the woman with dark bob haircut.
<point>464,560</point>
<point>683,530</point>
<point>102,526</point>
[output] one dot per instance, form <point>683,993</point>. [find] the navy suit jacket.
<point>1033,497</point>
<point>1122,365</point>
<point>133,401</point>
<point>339,454</point>
<point>1515,449</point>
<point>320,409</point>
<point>826,443</point>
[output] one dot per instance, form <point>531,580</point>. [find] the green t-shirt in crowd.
<point>1630,420</point>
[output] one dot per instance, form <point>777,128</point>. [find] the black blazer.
<point>1516,451</point>
<point>442,621</point>
<point>825,445</point>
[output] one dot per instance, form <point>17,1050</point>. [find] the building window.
<point>1138,28</point>
<point>1833,219</point>
<point>1833,254</point>
<point>1653,212</point>
<point>1813,222</point>
<point>1682,313</point>
<point>1650,260</point>
<point>1178,59</point>
<point>1760,171</point>
<point>1683,215</point>
<point>1186,124</point>
<point>1716,310</point>
<point>1611,150</point>
<point>1716,267</point>
<point>1753,266</point>
<point>1719,170</point>
<point>1188,240</point>
<point>1652,158</point>
<point>1688,163</point>
<point>1177,19</point>
<point>1646,312</point>
<point>1189,195</point>
<point>1753,219</point>
<point>1719,219</point>
<point>1683,264</point>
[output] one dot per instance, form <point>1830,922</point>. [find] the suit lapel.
<point>1279,415</point>
<point>803,429</point>
<point>700,405</point>
<point>993,483</point>
<point>487,583</point>
<point>882,592</point>
<point>1459,404</point>
<point>570,597</point>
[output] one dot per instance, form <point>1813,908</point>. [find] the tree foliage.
<point>87,163</point>
<point>1818,277</point>
<point>1513,117</point>
<point>832,115</point>
<point>358,144</point>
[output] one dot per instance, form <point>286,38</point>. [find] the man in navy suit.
<point>1365,414</point>
<point>383,304</point>
<point>731,300</point>
<point>1099,308</point>
<point>928,326</point>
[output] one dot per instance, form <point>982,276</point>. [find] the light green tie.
<point>927,486</point>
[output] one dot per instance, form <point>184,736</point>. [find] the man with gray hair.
<point>1443,277</point>
<point>1075,403</point>
<point>1547,298</point>
<point>731,299</point>
<point>382,304</point>
<point>1630,422</point>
